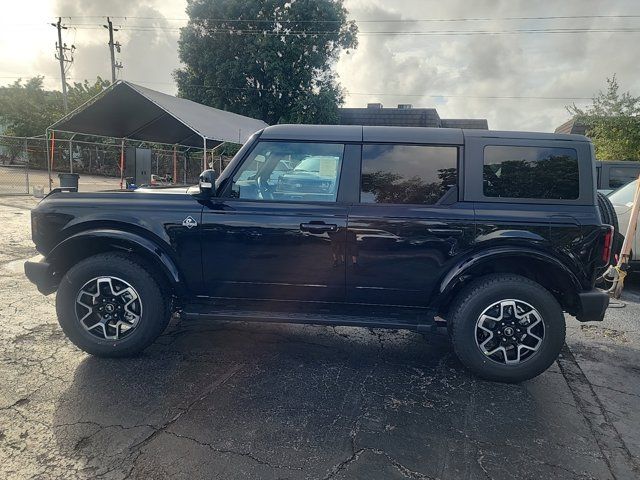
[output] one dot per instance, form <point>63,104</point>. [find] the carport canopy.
<point>129,111</point>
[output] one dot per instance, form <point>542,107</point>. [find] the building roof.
<point>127,110</point>
<point>405,116</point>
<point>574,126</point>
<point>466,123</point>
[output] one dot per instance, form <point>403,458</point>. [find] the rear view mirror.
<point>207,183</point>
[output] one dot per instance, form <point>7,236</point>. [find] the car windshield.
<point>624,195</point>
<point>317,165</point>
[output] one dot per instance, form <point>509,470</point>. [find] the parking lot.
<point>243,400</point>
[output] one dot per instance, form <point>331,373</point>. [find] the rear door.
<point>536,192</point>
<point>408,225</point>
<point>278,231</point>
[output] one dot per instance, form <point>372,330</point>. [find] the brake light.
<point>608,243</point>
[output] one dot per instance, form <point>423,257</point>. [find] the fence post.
<point>175,164</point>
<point>70,156</point>
<point>26,165</point>
<point>49,159</point>
<point>121,163</point>
<point>184,173</point>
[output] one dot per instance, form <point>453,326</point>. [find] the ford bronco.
<point>492,234</point>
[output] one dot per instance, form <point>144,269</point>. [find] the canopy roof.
<point>127,110</point>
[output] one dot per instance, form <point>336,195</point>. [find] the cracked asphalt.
<point>245,401</point>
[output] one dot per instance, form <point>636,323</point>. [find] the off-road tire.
<point>607,212</point>
<point>155,304</point>
<point>485,291</point>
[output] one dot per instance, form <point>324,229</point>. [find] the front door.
<point>409,227</point>
<point>277,231</point>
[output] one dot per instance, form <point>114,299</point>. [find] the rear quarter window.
<point>530,172</point>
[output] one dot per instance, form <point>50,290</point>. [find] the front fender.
<point>478,259</point>
<point>96,240</point>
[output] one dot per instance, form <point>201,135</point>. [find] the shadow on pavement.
<point>242,400</point>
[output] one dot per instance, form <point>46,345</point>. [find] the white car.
<point>622,200</point>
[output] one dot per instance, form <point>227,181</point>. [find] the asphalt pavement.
<point>244,400</point>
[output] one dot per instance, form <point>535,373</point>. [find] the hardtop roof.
<point>421,135</point>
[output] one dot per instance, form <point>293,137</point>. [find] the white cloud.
<point>390,69</point>
<point>533,65</point>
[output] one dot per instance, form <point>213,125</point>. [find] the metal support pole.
<point>50,162</point>
<point>175,163</point>
<point>204,155</point>
<point>121,163</point>
<point>26,164</point>
<point>71,155</point>
<point>184,173</point>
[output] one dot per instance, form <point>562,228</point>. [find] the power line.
<point>400,20</point>
<point>286,32</point>
<point>368,94</point>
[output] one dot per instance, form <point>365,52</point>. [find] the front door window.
<point>292,172</point>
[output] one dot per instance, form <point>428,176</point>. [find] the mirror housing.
<point>207,183</point>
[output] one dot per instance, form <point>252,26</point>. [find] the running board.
<point>422,322</point>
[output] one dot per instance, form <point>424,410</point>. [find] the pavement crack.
<point>604,432</point>
<point>616,390</point>
<point>344,464</point>
<point>218,382</point>
<point>233,452</point>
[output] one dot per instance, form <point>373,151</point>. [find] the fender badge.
<point>189,222</point>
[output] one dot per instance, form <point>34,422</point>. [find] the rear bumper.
<point>40,274</point>
<point>592,305</point>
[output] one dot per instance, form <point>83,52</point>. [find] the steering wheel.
<point>264,189</point>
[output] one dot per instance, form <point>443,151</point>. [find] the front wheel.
<point>507,328</point>
<point>110,306</point>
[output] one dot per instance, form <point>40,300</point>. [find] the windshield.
<point>624,195</point>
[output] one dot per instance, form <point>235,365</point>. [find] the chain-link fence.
<point>31,165</point>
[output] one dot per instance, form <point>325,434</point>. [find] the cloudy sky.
<point>442,63</point>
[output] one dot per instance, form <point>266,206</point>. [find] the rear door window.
<point>619,176</point>
<point>407,174</point>
<point>530,172</point>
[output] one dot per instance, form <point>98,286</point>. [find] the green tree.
<point>613,122</point>
<point>80,92</point>
<point>268,59</point>
<point>27,109</point>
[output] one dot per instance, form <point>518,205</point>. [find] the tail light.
<point>608,244</point>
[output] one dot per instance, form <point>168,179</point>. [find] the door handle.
<point>445,232</point>
<point>318,227</point>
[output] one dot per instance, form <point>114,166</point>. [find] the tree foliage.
<point>27,109</point>
<point>267,59</point>
<point>613,123</point>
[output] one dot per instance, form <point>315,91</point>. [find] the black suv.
<point>491,234</point>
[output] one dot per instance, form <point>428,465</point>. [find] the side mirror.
<point>207,182</point>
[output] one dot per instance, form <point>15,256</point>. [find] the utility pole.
<point>112,48</point>
<point>61,56</point>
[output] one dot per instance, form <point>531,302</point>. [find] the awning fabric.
<point>127,110</point>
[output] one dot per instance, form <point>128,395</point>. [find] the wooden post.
<point>625,253</point>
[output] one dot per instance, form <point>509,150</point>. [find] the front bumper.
<point>40,274</point>
<point>592,305</point>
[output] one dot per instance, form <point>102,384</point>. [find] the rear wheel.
<point>506,328</point>
<point>110,306</point>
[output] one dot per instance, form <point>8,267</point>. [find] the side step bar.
<point>423,322</point>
